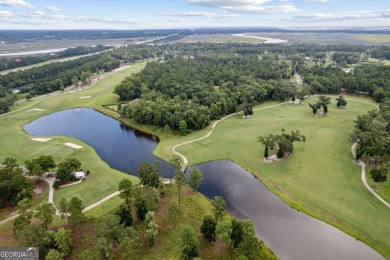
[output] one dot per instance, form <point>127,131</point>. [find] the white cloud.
<point>176,20</point>
<point>53,9</point>
<point>58,16</point>
<point>16,3</point>
<point>38,13</point>
<point>249,6</point>
<point>5,14</point>
<point>222,3</point>
<point>201,14</point>
<point>319,1</point>
<point>351,15</point>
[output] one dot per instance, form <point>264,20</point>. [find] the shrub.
<point>280,153</point>
<point>379,175</point>
<point>56,185</point>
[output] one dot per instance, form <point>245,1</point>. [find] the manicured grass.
<point>17,144</point>
<point>319,178</point>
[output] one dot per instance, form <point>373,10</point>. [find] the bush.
<point>379,175</point>
<point>280,153</point>
<point>56,185</point>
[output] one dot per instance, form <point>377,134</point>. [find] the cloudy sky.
<point>145,14</point>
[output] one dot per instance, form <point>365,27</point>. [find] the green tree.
<point>130,246</point>
<point>126,190</point>
<point>64,241</point>
<point>111,229</point>
<point>140,204</point>
<point>180,180</point>
<point>45,212</point>
<point>66,168</point>
<point>379,175</point>
<point>148,174</point>
<point>152,231</point>
<point>64,207</point>
<point>46,162</point>
<point>175,161</point>
<point>183,128</point>
<point>219,207</point>
<point>269,142</point>
<point>104,248</point>
<point>24,218</point>
<point>125,216</point>
<point>10,163</point>
<point>54,255</point>
<point>208,228</point>
<point>34,169</point>
<point>341,102</point>
<point>76,215</point>
<point>189,242</point>
<point>33,235</point>
<point>237,233</point>
<point>196,178</point>
<point>223,230</point>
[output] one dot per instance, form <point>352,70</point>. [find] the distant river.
<point>289,233</point>
<point>266,39</point>
<point>31,52</point>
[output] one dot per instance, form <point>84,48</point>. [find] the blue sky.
<point>155,14</point>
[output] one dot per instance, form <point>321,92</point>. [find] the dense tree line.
<point>370,80</point>
<point>382,52</point>
<point>7,63</point>
<point>372,134</point>
<point>189,92</point>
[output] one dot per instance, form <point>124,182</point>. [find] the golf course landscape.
<point>319,178</point>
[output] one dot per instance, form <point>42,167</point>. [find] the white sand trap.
<point>75,146</point>
<point>41,139</point>
<point>271,159</point>
<point>35,109</point>
<point>85,97</point>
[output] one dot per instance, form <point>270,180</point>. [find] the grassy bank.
<point>17,144</point>
<point>319,178</point>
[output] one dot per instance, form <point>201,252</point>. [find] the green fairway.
<point>17,144</point>
<point>319,178</point>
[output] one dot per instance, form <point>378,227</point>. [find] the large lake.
<point>289,233</point>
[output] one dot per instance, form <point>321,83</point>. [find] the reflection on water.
<point>288,232</point>
<point>122,147</point>
<point>291,234</point>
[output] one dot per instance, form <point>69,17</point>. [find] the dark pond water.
<point>120,146</point>
<point>289,233</point>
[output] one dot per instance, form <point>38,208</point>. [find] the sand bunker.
<point>41,139</point>
<point>271,159</point>
<point>35,109</point>
<point>75,146</point>
<point>85,97</point>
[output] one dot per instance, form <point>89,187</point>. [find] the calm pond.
<point>289,233</point>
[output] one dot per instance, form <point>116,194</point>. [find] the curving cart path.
<point>362,164</point>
